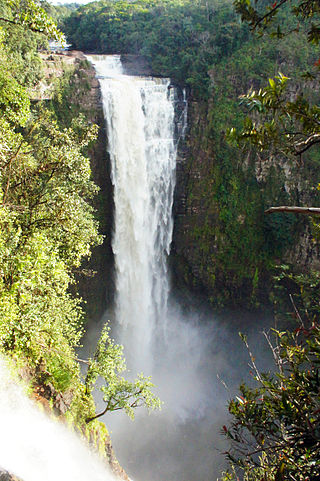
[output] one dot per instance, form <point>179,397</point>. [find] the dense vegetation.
<point>180,39</point>
<point>275,424</point>
<point>48,225</point>
<point>58,12</point>
<point>47,222</point>
<point>205,47</point>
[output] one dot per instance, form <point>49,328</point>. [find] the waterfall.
<point>139,115</point>
<point>37,448</point>
<point>180,346</point>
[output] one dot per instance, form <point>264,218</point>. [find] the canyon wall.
<point>224,246</point>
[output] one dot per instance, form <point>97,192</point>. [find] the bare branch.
<point>294,210</point>
<point>296,310</point>
<point>303,146</point>
<point>83,361</point>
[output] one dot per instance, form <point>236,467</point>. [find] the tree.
<point>47,225</point>
<point>118,393</point>
<point>275,428</point>
<point>262,14</point>
<point>30,15</point>
<point>289,127</point>
<point>282,121</point>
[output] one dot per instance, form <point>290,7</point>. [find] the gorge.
<point>152,219</point>
<point>183,349</point>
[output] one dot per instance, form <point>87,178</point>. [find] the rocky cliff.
<point>224,246</point>
<point>79,93</point>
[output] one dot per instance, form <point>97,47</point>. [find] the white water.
<point>184,349</point>
<point>139,115</point>
<point>37,448</point>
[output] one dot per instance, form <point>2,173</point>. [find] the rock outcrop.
<point>6,476</point>
<point>223,243</point>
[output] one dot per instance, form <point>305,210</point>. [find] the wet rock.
<point>6,476</point>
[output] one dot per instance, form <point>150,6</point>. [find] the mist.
<point>195,358</point>
<point>35,447</point>
<point>197,364</point>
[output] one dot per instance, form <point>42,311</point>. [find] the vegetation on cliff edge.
<point>47,222</point>
<point>228,247</point>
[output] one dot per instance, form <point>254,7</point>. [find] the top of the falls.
<point>110,66</point>
<point>106,65</point>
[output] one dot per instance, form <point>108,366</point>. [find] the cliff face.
<point>95,281</point>
<point>224,246</point>
<point>97,286</point>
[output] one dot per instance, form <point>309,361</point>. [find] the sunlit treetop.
<point>29,14</point>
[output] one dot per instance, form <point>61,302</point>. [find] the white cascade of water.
<point>139,115</point>
<point>177,345</point>
<point>37,448</point>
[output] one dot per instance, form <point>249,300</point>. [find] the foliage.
<point>28,14</point>
<point>295,294</point>
<point>287,127</point>
<point>275,430</point>
<point>47,227</point>
<point>47,224</point>
<point>287,121</point>
<point>261,14</point>
<point>179,39</point>
<point>119,393</point>
<point>58,12</point>
<point>70,96</point>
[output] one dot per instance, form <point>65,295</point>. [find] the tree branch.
<point>22,24</point>
<point>264,17</point>
<point>88,420</point>
<point>302,147</point>
<point>294,210</point>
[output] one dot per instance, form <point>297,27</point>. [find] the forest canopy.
<point>205,47</point>
<point>180,39</point>
<point>48,224</point>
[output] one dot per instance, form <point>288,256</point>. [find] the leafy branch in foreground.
<point>118,393</point>
<point>260,14</point>
<point>29,14</point>
<point>275,431</point>
<point>287,126</point>
<point>283,120</point>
